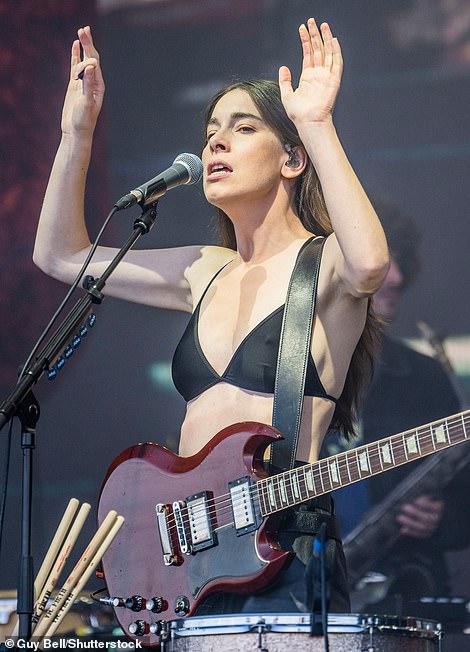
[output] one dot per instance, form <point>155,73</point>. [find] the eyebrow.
<point>236,116</point>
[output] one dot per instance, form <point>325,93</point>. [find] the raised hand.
<point>322,67</point>
<point>85,91</point>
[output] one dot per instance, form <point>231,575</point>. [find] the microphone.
<point>186,169</point>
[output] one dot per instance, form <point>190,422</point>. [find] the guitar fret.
<point>363,462</point>
<point>311,481</point>
<point>411,447</point>
<point>353,466</point>
<point>265,496</point>
<point>346,457</point>
<point>357,463</point>
<point>271,494</point>
<point>418,443</point>
<point>320,473</point>
<point>291,497</point>
<point>342,465</point>
<point>334,472</point>
<point>446,426</point>
<point>401,454</point>
<point>379,456</point>
<point>277,492</point>
<point>373,455</point>
<point>261,495</point>
<point>426,441</point>
<point>295,485</point>
<point>282,489</point>
<point>404,446</point>
<point>330,477</point>
<point>304,492</point>
<point>386,454</point>
<point>463,426</point>
<point>439,435</point>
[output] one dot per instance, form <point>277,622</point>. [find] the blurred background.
<point>402,115</point>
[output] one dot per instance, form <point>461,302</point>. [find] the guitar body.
<point>147,475</point>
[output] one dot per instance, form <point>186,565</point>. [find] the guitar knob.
<point>181,605</point>
<point>155,628</point>
<point>135,603</point>
<point>138,628</point>
<point>155,604</point>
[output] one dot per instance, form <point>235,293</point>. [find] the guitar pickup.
<point>245,516</point>
<point>200,523</point>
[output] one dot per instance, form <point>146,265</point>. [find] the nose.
<point>218,142</point>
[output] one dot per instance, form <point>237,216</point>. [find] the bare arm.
<point>163,277</point>
<point>358,248</point>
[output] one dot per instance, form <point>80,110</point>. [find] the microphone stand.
<point>21,402</point>
<point>319,583</point>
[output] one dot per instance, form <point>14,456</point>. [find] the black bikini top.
<point>252,366</point>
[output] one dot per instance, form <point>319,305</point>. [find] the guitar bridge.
<point>169,556</point>
<point>245,515</point>
<point>185,547</point>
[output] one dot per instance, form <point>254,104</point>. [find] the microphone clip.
<point>147,218</point>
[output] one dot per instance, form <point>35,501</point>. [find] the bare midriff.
<point>224,404</point>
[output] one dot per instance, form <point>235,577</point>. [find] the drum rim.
<point>298,622</point>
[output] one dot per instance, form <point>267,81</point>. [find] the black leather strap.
<point>293,353</point>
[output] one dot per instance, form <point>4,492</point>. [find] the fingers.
<point>316,42</point>
<point>285,83</point>
<point>421,518</point>
<point>86,39</point>
<point>319,47</point>
<point>90,54</point>
<point>75,55</point>
<point>307,49</point>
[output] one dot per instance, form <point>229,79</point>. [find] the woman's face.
<point>243,157</point>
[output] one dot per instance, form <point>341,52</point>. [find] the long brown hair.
<point>311,209</point>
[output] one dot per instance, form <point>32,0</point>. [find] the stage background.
<point>402,115</point>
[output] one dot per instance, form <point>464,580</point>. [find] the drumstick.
<point>56,542</point>
<point>52,552</point>
<point>61,560</point>
<point>85,576</point>
<point>47,616</point>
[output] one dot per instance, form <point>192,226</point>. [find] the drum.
<point>281,632</point>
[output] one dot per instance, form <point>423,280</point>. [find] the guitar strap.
<point>293,353</point>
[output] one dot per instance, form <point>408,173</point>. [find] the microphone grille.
<point>193,164</point>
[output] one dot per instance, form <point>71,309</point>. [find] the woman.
<point>271,158</point>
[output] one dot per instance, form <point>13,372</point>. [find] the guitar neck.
<point>311,480</point>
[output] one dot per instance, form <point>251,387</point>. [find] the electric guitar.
<point>207,523</point>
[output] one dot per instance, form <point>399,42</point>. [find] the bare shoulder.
<point>204,267</point>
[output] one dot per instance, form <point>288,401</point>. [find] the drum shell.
<point>281,632</point>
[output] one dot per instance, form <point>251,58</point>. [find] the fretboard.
<point>298,485</point>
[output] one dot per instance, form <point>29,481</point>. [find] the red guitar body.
<point>147,475</point>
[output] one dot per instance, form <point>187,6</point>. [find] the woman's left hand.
<point>322,67</point>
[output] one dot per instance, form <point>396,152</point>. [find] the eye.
<point>245,129</point>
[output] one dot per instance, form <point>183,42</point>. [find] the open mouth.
<point>218,170</point>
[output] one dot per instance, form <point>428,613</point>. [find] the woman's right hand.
<point>84,97</point>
